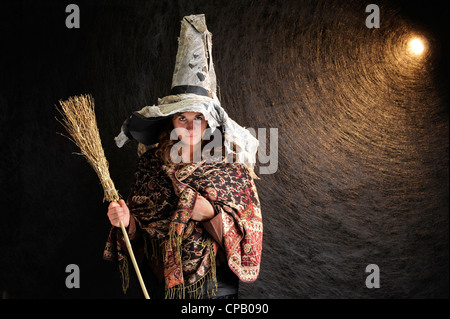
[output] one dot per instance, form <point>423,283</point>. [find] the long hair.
<point>165,143</point>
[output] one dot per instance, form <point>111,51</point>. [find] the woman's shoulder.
<point>229,167</point>
<point>149,158</point>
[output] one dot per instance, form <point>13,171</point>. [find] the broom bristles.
<point>80,122</point>
<point>78,118</point>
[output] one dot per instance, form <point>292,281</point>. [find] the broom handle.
<point>130,251</point>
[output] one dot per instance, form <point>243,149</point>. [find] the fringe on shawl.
<point>194,291</point>
<point>124,263</point>
<point>124,274</point>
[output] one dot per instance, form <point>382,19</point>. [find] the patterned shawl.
<point>161,202</point>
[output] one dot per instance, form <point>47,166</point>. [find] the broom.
<point>78,118</point>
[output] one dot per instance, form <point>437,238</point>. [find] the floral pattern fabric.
<point>161,202</point>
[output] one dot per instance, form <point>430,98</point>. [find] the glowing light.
<point>416,46</point>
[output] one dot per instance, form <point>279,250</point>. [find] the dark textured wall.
<point>363,138</point>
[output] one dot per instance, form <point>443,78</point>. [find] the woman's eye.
<point>181,118</point>
<point>199,118</point>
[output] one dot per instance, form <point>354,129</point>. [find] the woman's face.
<point>189,127</point>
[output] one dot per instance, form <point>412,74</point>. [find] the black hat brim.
<point>145,130</point>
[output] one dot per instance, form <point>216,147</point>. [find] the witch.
<point>193,213</point>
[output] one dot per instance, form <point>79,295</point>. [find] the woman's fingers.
<point>113,204</point>
<point>118,212</point>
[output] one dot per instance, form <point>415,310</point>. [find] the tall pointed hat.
<point>193,90</point>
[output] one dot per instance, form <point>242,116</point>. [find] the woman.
<point>193,213</point>
<point>198,223</point>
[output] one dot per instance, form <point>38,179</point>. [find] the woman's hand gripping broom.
<point>80,122</point>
